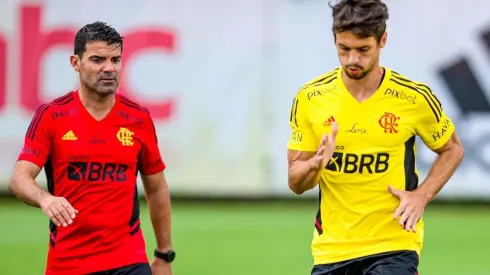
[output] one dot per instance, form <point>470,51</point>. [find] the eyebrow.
<point>365,46</point>
<point>103,57</point>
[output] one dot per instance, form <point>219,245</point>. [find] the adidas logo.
<point>329,121</point>
<point>69,136</point>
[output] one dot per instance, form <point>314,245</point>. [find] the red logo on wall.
<point>35,41</point>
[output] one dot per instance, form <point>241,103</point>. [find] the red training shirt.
<point>94,165</point>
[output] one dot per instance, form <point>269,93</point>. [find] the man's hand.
<point>410,209</point>
<point>59,210</point>
<point>160,267</point>
<point>325,149</point>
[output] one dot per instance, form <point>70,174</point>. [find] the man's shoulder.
<point>58,107</point>
<point>318,85</point>
<point>131,104</point>
<point>401,85</point>
<point>131,110</point>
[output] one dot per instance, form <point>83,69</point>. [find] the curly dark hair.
<point>365,18</point>
<point>96,32</point>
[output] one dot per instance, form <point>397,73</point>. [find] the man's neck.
<point>363,88</point>
<point>96,104</point>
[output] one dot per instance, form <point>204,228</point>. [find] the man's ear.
<point>75,62</point>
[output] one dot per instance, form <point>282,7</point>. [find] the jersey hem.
<point>153,172</point>
<point>70,271</point>
<point>299,148</point>
<point>320,260</point>
<point>31,160</point>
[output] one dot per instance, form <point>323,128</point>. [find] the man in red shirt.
<point>92,143</point>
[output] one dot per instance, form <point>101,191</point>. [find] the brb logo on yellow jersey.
<point>350,163</point>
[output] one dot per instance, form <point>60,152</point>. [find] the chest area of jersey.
<point>362,128</point>
<point>105,152</point>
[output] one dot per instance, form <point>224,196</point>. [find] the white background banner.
<point>219,77</point>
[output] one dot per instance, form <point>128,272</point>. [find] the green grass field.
<point>255,238</point>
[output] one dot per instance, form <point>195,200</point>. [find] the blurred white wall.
<point>219,77</point>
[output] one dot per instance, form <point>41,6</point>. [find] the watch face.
<point>171,256</point>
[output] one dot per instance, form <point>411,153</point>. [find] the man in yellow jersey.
<point>353,132</point>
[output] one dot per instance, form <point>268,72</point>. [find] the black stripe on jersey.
<point>421,86</point>
<point>295,119</point>
<point>424,88</point>
<point>411,178</point>
<point>292,115</point>
<point>132,104</point>
<point>48,170</point>
<point>31,131</point>
<point>318,218</point>
<point>332,75</point>
<point>329,74</point>
<point>292,111</point>
<point>135,213</point>
<point>139,108</point>
<point>429,91</point>
<point>53,231</point>
<point>35,121</point>
<point>135,230</point>
<point>323,82</point>
<point>436,114</point>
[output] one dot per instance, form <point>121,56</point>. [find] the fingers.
<point>65,217</point>
<point>400,210</point>
<point>320,150</point>
<point>323,141</point>
<point>410,224</point>
<point>405,216</point>
<point>61,212</point>
<point>335,130</point>
<point>71,211</point>
<point>396,192</point>
<point>409,217</point>
<point>410,220</point>
<point>53,218</point>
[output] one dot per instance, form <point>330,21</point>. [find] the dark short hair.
<point>96,32</point>
<point>365,18</point>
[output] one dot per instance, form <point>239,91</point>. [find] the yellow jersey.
<point>375,147</point>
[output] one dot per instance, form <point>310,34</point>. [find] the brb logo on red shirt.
<point>35,41</point>
<point>80,170</point>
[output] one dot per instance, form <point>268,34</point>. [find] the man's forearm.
<point>27,190</point>
<point>303,176</point>
<point>441,171</point>
<point>160,213</point>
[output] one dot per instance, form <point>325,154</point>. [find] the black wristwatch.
<point>168,256</point>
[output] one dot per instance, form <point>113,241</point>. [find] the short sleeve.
<point>432,125</point>
<point>150,159</point>
<point>38,142</point>
<point>302,136</point>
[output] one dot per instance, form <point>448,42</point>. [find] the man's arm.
<point>306,157</point>
<point>437,131</point>
<point>24,186</point>
<point>152,169</point>
<point>448,158</point>
<point>158,198</point>
<point>302,174</point>
<point>34,153</point>
<point>304,167</point>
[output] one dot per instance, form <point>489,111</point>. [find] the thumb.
<point>395,192</point>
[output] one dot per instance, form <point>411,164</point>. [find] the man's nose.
<point>109,67</point>
<point>353,58</point>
